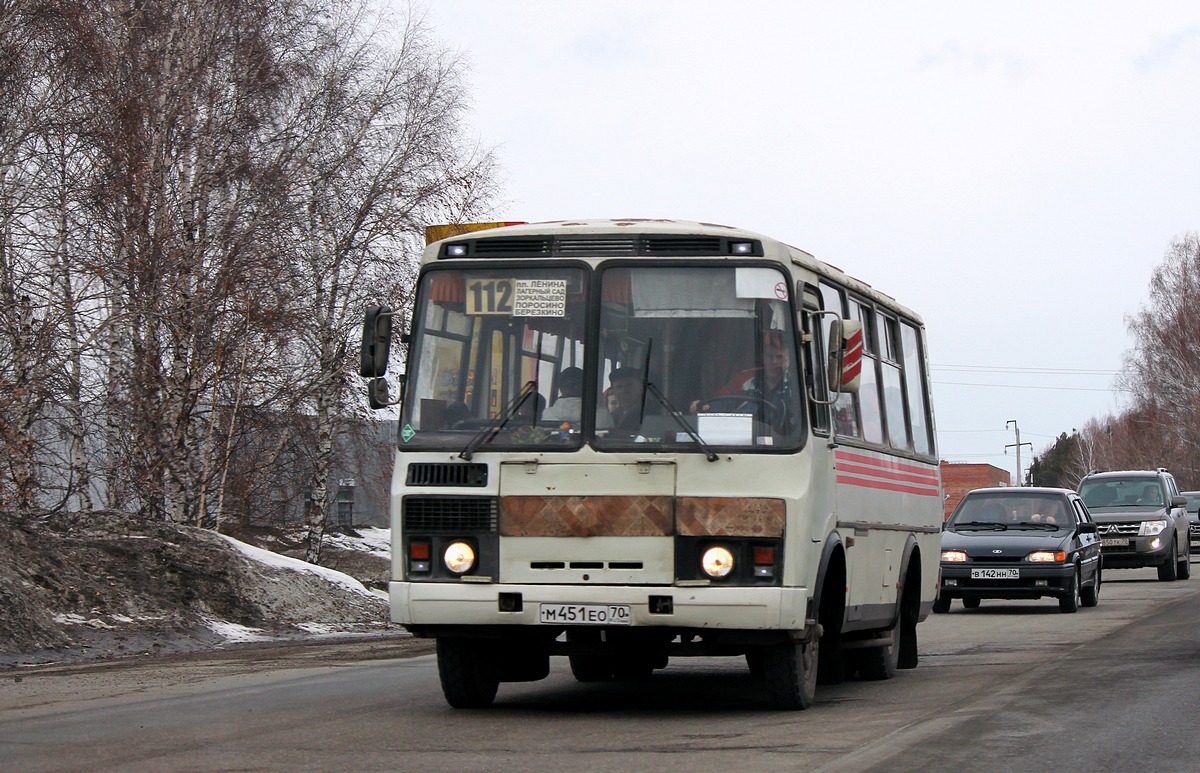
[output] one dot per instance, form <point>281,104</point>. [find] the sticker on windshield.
<point>754,282</point>
<point>517,297</point>
<point>407,433</point>
<point>540,298</point>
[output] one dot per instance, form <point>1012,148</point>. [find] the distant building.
<point>958,479</point>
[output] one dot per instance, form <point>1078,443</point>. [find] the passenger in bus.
<point>569,405</point>
<point>624,400</point>
<point>768,389</point>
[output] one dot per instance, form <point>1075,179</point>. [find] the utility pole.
<point>1017,445</point>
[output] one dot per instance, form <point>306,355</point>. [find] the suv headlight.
<point>1150,528</point>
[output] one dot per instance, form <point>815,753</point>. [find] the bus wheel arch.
<point>830,611</point>
<point>909,613</point>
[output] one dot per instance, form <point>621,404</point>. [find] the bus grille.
<point>602,246</point>
<point>689,245</point>
<point>446,515</point>
<point>437,474</point>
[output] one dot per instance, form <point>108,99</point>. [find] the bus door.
<point>823,493</point>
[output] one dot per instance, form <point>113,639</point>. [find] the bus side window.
<point>845,410</point>
<point>868,385</point>
<point>915,390</point>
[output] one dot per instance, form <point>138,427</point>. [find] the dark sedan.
<point>1020,543</point>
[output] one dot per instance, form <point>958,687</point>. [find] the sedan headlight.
<point>954,556</point>
<point>1150,528</point>
<point>459,557</point>
<point>717,562</point>
<point>1048,556</point>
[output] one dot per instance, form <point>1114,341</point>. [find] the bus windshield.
<point>482,337</point>
<point>691,350</point>
<point>684,357</point>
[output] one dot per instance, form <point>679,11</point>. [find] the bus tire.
<point>910,615</point>
<point>467,672</point>
<point>790,669</point>
<point>879,663</point>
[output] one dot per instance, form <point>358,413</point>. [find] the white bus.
<point>635,440</point>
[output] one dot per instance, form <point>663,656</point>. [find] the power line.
<point>1019,369</point>
<point>1030,386</point>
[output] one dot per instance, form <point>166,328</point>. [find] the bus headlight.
<point>459,557</point>
<point>717,562</point>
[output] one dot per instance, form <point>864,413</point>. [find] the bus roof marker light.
<point>741,248</point>
<point>456,250</point>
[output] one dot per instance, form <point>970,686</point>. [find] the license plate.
<point>1114,542</point>
<point>1196,543</point>
<point>995,574</point>
<point>584,614</point>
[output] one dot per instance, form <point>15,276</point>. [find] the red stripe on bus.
<point>854,469</point>
<point>887,464</point>
<point>878,484</point>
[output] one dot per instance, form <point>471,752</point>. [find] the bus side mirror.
<point>376,342</point>
<point>845,356</point>
<point>377,393</point>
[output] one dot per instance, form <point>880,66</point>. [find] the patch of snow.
<point>370,539</point>
<point>73,619</point>
<point>295,564</point>
<point>232,632</point>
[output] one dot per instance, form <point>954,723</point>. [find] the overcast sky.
<point>1012,171</point>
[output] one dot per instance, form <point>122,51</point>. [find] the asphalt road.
<point>1011,686</point>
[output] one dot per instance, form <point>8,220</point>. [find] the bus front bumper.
<point>417,605</point>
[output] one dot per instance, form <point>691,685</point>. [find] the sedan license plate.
<point>1196,543</point>
<point>1114,542</point>
<point>584,614</point>
<point>995,574</point>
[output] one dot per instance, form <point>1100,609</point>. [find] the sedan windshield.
<point>1002,511</point>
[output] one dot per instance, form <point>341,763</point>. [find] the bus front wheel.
<point>468,673</point>
<point>790,671</point>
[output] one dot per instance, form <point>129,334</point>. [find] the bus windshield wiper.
<point>676,414</point>
<point>648,386</point>
<point>498,422</point>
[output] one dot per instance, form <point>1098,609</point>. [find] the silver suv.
<point>1141,520</point>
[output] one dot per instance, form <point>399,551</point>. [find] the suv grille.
<point>1123,529</point>
<point>447,515</point>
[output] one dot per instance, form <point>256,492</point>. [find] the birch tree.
<point>379,150</point>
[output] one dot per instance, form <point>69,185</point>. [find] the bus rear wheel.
<point>790,670</point>
<point>468,673</point>
<point>879,663</point>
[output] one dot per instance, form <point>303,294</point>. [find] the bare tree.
<point>377,142</point>
<point>1162,370</point>
<point>197,199</point>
